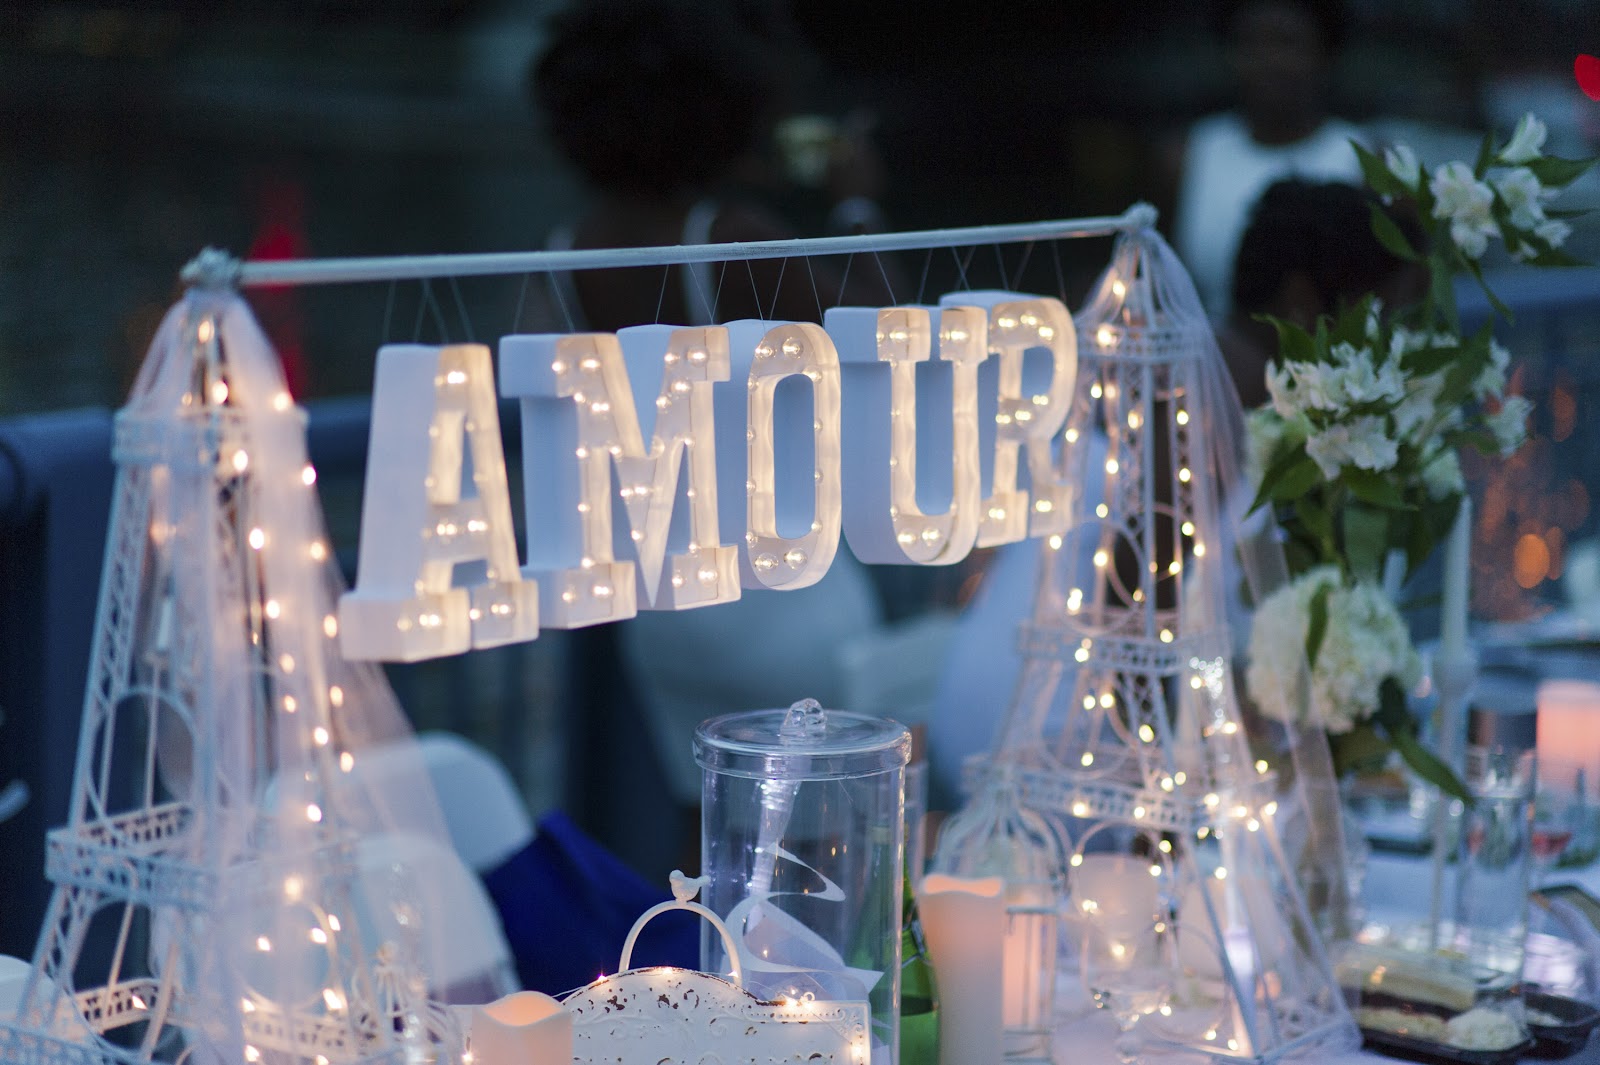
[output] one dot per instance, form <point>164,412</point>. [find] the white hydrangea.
<point>1363,442</point>
<point>1526,141</point>
<point>1365,642</point>
<point>1509,424</point>
<point>1466,202</point>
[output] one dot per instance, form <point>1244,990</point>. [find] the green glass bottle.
<point>919,1000</point>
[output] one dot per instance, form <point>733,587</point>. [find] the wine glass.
<point>1127,969</point>
<point>1126,950</point>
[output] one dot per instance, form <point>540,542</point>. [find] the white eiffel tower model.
<point>1125,713</point>
<point>205,906</point>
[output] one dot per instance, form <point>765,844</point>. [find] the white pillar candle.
<point>1568,732</point>
<point>526,1028</point>
<point>964,921</point>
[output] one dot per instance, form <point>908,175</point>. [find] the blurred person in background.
<point>1280,53</point>
<point>667,109</point>
<point>1308,251</point>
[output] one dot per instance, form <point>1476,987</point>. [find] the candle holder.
<point>994,835</point>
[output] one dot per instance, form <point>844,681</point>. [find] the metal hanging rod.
<point>217,269</point>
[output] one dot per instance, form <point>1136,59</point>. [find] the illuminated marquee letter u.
<point>879,352</point>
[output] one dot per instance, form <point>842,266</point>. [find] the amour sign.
<point>788,432</point>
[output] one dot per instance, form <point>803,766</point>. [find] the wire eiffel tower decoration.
<point>1125,723</point>
<point>205,904</point>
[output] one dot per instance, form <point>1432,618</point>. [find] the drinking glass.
<point>1128,970</point>
<point>1127,945</point>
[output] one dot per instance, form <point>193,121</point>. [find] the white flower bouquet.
<point>1357,452</point>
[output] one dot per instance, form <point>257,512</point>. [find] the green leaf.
<point>1315,517</point>
<point>1427,765</point>
<point>1424,361</point>
<point>1283,460</point>
<point>1477,275</point>
<point>1394,717</point>
<point>1296,480</point>
<point>1358,750</point>
<point>1389,234</point>
<point>1442,291</point>
<point>1486,154</point>
<point>1366,540</point>
<point>1317,627</point>
<point>1558,173</point>
<point>1370,487</point>
<point>1555,257</point>
<point>1294,343</point>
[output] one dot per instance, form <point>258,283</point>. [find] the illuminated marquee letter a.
<point>434,412</point>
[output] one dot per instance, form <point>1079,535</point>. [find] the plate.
<point>1415,1049</point>
<point>1577,1021</point>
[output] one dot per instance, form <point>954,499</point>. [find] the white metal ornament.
<point>207,902</point>
<point>670,1016</point>
<point>1125,720</point>
<point>434,416</point>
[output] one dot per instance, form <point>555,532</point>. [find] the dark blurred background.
<point>134,133</point>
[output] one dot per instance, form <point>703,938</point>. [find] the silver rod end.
<point>1141,216</point>
<point>213,268</point>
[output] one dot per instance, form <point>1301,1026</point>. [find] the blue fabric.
<point>566,904</point>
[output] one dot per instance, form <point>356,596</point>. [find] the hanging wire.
<point>461,309</point>
<point>661,297</point>
<point>961,267</point>
<point>522,298</point>
<point>887,284</point>
<point>1061,277</point>
<point>1022,265</point>
<point>755,293</point>
<point>922,285</point>
<point>388,312</point>
<point>1000,258</point>
<point>777,290</point>
<point>716,300</point>
<point>422,311</point>
<point>699,290</point>
<point>561,301</point>
<point>814,293</point>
